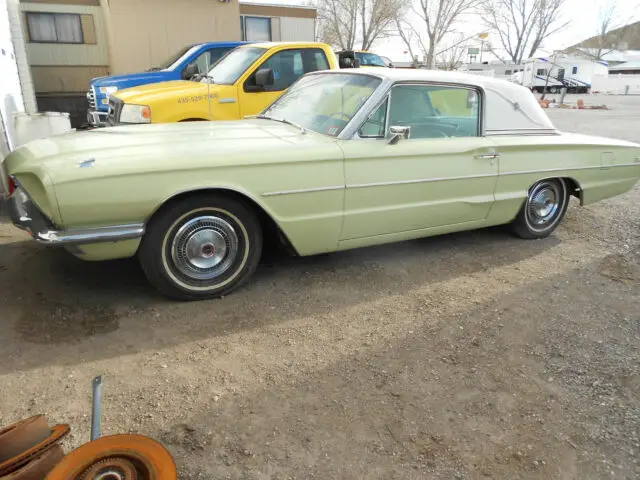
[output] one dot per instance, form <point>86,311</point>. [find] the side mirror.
<point>391,65</point>
<point>190,71</point>
<point>262,78</point>
<point>398,133</point>
<point>356,63</point>
<point>265,77</point>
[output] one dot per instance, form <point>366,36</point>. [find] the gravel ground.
<point>474,355</point>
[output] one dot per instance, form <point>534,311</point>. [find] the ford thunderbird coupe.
<point>343,159</point>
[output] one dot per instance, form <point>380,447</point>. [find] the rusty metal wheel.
<point>112,469</point>
<point>38,468</point>
<point>21,436</point>
<point>25,438</point>
<point>117,457</point>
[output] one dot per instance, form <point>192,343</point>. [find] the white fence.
<point>616,84</point>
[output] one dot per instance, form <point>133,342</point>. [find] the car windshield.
<point>370,59</point>
<point>231,67</point>
<point>173,61</point>
<point>323,103</point>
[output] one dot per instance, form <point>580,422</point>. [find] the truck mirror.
<point>190,71</point>
<point>264,77</point>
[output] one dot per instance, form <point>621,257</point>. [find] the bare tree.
<point>438,18</point>
<point>347,23</point>
<point>452,56</point>
<point>522,25</point>
<point>610,31</point>
<point>338,22</point>
<point>377,18</point>
<point>412,39</point>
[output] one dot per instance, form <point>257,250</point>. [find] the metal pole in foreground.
<point>96,386</point>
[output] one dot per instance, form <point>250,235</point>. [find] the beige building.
<point>69,42</point>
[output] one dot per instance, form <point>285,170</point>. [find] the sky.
<point>583,14</point>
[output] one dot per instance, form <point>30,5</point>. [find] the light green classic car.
<point>344,159</point>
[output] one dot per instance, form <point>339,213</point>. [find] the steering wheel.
<point>342,115</point>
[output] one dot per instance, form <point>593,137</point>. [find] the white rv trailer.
<point>493,69</point>
<point>574,73</point>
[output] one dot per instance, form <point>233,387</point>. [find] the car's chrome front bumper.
<point>27,216</point>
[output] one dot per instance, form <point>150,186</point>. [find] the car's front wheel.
<point>202,246</point>
<point>543,210</point>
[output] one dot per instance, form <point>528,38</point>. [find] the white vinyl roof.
<point>508,107</point>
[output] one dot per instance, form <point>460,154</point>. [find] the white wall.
<point>297,29</point>
<point>616,84</point>
<point>11,98</point>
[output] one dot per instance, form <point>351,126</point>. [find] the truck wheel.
<point>542,211</point>
<point>204,246</point>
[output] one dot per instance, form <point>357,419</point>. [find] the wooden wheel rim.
<point>144,451</point>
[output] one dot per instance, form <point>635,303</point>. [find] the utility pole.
<point>483,36</point>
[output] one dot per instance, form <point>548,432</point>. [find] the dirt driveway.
<point>474,355</point>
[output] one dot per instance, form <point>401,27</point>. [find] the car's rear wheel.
<point>543,210</point>
<point>200,247</point>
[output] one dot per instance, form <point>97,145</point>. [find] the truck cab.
<point>182,65</point>
<point>241,84</point>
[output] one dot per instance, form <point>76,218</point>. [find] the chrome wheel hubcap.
<point>544,203</point>
<point>204,247</point>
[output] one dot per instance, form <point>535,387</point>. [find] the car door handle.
<point>488,156</point>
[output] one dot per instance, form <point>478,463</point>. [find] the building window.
<point>255,29</point>
<point>541,71</point>
<point>54,27</point>
<point>507,72</point>
<point>574,71</point>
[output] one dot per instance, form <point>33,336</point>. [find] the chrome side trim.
<point>421,180</point>
<point>304,190</point>
<point>524,132</point>
<point>590,167</point>
<point>443,179</point>
<point>90,235</point>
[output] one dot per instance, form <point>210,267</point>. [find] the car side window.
<point>435,111</point>
<point>289,65</point>
<point>375,125</point>
<point>202,61</point>
<point>216,54</point>
<point>208,59</point>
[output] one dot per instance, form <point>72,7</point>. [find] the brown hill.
<point>623,38</point>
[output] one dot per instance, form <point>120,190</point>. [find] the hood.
<point>147,94</point>
<point>130,80</point>
<point>158,147</point>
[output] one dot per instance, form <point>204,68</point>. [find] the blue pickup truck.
<point>183,65</point>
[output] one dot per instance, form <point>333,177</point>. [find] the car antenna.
<point>208,87</point>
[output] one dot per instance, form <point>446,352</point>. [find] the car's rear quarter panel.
<point>602,168</point>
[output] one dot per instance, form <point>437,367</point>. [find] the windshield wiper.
<point>282,120</point>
